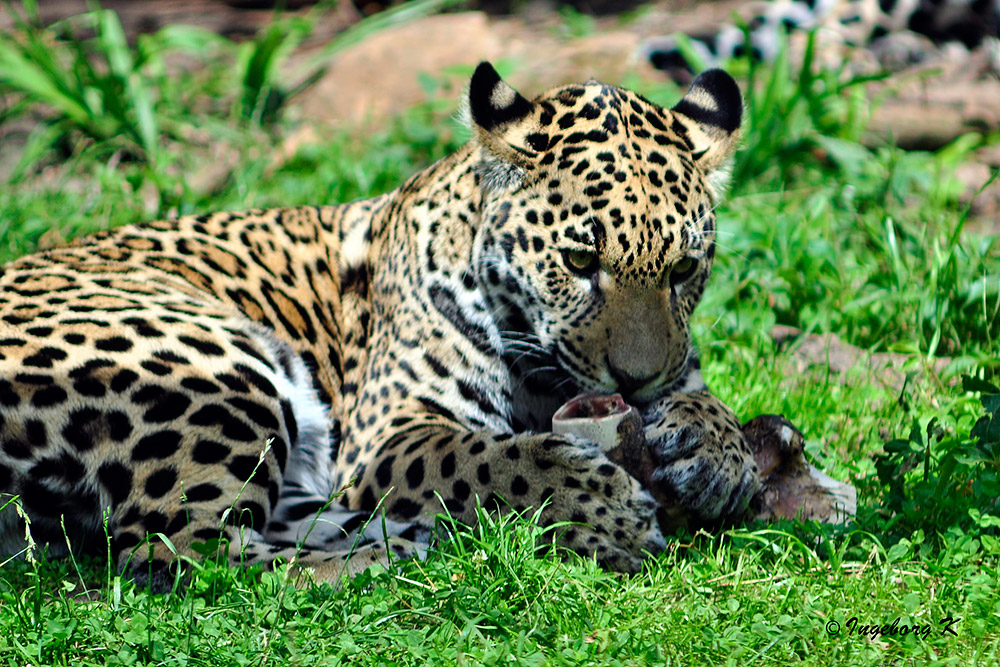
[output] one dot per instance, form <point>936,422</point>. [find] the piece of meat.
<point>790,486</point>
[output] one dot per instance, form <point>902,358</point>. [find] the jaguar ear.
<point>492,102</point>
<point>500,118</point>
<point>714,107</point>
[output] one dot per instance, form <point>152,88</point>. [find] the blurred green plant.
<point>262,96</point>
<point>575,24</point>
<point>94,87</point>
<point>263,91</point>
<point>793,109</point>
<point>91,92</point>
<point>875,229</point>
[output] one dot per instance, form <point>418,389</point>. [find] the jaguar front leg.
<point>701,455</point>
<point>612,517</point>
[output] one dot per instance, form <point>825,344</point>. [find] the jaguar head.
<point>597,232</point>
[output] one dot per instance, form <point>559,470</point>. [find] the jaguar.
<point>269,381</point>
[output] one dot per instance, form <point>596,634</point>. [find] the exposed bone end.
<point>616,427</point>
<point>596,418</point>
<point>613,425</point>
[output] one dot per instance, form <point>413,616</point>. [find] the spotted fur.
<point>275,377</point>
<point>892,34</point>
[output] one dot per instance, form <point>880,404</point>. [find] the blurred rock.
<point>928,107</point>
<point>829,351</point>
<point>936,117</point>
<point>379,76</point>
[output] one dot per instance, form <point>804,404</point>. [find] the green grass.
<point>819,233</point>
<point>764,597</point>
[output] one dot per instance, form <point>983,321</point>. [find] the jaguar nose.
<point>629,384</point>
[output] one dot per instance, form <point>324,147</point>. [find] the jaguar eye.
<point>581,262</point>
<point>683,270</point>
